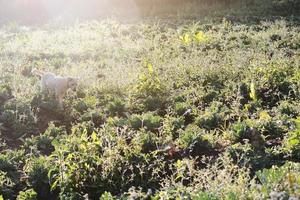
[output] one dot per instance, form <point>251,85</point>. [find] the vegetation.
<point>175,108</point>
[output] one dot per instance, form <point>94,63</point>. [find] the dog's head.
<point>73,83</point>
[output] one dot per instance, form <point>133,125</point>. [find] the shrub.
<point>235,180</point>
<point>88,127</point>
<point>118,122</point>
<point>74,154</point>
<point>45,103</point>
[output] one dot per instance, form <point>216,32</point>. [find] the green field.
<point>174,107</point>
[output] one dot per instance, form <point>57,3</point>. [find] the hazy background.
<point>36,11</point>
<point>43,11</point>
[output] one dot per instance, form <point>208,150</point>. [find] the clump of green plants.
<point>239,130</point>
<point>281,182</point>
<point>148,121</point>
<point>27,195</point>
<point>36,170</point>
<point>213,117</point>
<point>17,119</point>
<point>274,83</point>
<point>172,125</point>
<point>291,142</point>
<point>5,94</point>
<point>149,94</point>
<point>288,108</point>
<point>193,141</point>
<point>83,104</point>
<point>97,117</point>
<point>10,175</point>
<point>7,185</point>
<point>42,144</point>
<point>116,107</point>
<point>148,141</point>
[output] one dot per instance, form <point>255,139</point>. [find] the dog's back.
<point>54,82</point>
<point>47,79</point>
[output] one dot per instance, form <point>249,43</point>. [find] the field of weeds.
<point>166,108</point>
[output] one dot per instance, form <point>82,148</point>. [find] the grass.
<point>167,108</point>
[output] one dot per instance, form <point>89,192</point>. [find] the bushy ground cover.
<point>185,110</point>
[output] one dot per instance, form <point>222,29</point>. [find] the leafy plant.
<point>149,93</point>
<point>292,141</point>
<point>277,178</point>
<point>27,195</point>
<point>148,121</point>
<point>36,170</point>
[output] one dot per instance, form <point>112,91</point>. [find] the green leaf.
<point>294,142</point>
<point>54,184</point>
<point>106,196</point>
<point>297,123</point>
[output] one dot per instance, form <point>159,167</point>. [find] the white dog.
<point>56,85</point>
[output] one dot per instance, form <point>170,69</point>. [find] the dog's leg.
<point>60,102</point>
<point>59,97</point>
<point>44,89</point>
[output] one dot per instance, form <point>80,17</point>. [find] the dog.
<point>55,85</point>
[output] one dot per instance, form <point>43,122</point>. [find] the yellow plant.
<point>186,38</point>
<point>252,94</point>
<point>201,37</point>
<point>264,115</point>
